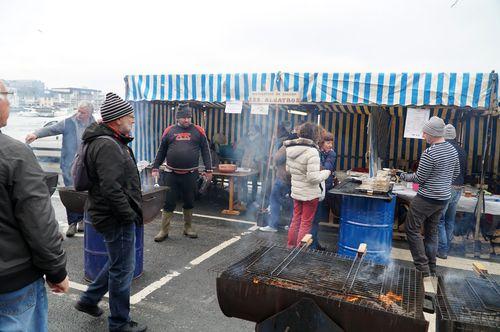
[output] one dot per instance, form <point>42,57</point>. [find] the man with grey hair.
<point>447,222</point>
<point>438,167</point>
<point>72,129</point>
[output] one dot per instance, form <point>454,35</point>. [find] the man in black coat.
<point>30,243</point>
<point>115,209</point>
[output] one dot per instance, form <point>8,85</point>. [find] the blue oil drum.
<point>366,220</point>
<point>95,254</point>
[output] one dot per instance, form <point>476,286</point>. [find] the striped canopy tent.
<point>343,102</point>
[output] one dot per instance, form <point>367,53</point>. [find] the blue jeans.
<point>115,276</point>
<point>73,217</point>
<point>24,309</point>
<point>447,222</point>
<point>277,200</point>
<point>321,215</point>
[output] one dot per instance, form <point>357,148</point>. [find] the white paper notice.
<point>415,120</point>
<point>234,106</point>
<point>260,109</point>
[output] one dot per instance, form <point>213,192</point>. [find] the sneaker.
<point>80,227</point>
<point>132,327</point>
<point>92,310</point>
<point>268,229</point>
<point>71,230</point>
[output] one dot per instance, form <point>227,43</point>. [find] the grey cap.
<point>434,127</point>
<point>449,132</point>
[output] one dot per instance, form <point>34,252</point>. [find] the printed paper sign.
<point>415,120</point>
<point>259,109</point>
<point>275,97</point>
<point>234,106</point>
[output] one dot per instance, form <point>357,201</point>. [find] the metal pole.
<point>480,198</point>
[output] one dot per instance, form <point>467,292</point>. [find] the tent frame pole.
<point>480,199</point>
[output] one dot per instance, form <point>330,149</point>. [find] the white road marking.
<point>81,287</point>
<point>214,250</point>
<point>452,262</point>
<point>141,295</point>
<point>220,218</point>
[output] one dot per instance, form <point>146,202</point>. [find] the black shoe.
<point>92,310</point>
<point>71,230</point>
<point>132,327</point>
<point>441,256</point>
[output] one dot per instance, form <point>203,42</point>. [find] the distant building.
<point>71,97</point>
<point>27,92</point>
<point>32,93</point>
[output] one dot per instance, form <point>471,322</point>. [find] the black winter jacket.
<point>30,243</point>
<point>462,158</point>
<point>115,195</point>
<point>181,147</point>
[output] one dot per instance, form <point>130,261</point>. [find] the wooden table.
<point>231,177</point>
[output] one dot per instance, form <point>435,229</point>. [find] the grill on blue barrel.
<point>365,219</point>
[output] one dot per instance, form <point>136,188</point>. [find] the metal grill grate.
<point>458,303</point>
<point>393,288</point>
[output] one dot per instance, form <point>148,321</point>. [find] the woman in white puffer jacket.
<point>303,163</point>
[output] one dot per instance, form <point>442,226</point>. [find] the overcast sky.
<point>94,43</point>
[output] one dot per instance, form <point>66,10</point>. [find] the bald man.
<point>30,245</point>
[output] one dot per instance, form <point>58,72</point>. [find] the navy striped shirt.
<point>438,167</point>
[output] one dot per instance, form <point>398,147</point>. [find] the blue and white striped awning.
<point>405,89</point>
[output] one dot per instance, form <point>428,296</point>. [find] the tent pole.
<point>480,198</point>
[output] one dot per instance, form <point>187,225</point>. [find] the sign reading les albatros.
<point>275,97</point>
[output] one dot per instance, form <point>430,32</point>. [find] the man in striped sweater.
<point>438,167</point>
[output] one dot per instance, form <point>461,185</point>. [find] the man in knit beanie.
<point>438,167</point>
<point>447,222</point>
<point>115,210</point>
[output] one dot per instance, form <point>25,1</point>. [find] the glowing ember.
<point>255,280</point>
<point>352,298</point>
<point>390,298</point>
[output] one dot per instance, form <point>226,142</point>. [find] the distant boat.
<point>46,112</point>
<point>43,112</point>
<point>29,112</point>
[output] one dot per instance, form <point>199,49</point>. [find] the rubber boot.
<point>165,225</point>
<point>188,220</point>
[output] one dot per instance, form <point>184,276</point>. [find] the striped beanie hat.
<point>114,108</point>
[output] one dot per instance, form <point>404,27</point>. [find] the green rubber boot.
<point>165,225</point>
<point>188,220</point>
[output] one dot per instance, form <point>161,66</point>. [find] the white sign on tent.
<point>234,106</point>
<point>259,109</point>
<point>415,120</point>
